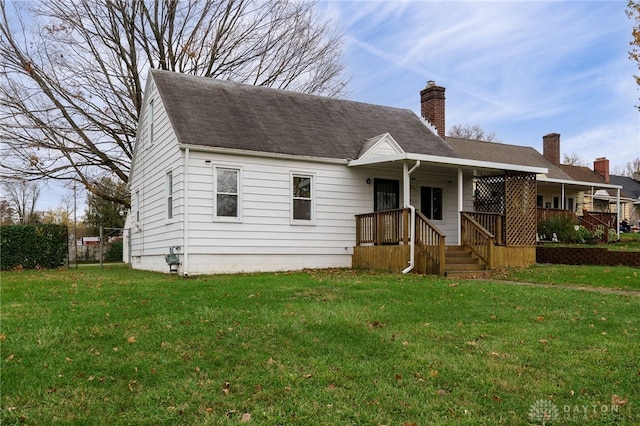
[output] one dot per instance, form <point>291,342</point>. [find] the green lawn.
<point>116,346</point>
<point>610,277</point>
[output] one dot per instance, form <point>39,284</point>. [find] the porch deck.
<point>383,241</point>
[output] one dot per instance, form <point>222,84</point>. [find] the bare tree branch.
<point>73,71</point>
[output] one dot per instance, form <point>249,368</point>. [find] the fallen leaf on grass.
<point>540,319</point>
<point>131,339</point>
<point>616,400</point>
<point>443,392</point>
<point>225,388</point>
<point>3,337</point>
<point>496,398</point>
<point>543,341</point>
<point>68,359</point>
<point>246,418</point>
<point>9,358</point>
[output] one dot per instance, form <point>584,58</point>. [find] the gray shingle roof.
<point>505,153</point>
<point>630,186</point>
<point>224,114</point>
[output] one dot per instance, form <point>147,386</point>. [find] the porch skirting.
<point>514,256</point>
<point>395,258</point>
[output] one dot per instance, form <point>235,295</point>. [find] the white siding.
<point>264,238</point>
<point>449,184</point>
<point>153,233</point>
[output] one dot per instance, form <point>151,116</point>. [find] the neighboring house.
<point>630,198</point>
<point>555,188</point>
<point>232,178</point>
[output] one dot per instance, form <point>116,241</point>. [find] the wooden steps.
<point>460,263</point>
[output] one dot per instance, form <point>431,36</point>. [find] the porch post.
<point>406,185</point>
<point>562,197</point>
<point>618,208</point>
<point>460,204</point>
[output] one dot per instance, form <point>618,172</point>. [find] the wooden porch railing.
<point>595,220</point>
<point>430,239</point>
<point>477,238</point>
<point>391,227</point>
<point>546,214</point>
<point>384,227</point>
<point>492,222</point>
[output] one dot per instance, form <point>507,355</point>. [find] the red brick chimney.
<point>432,106</point>
<point>601,166</point>
<point>551,148</point>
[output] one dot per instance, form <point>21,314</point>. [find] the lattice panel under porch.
<point>520,209</point>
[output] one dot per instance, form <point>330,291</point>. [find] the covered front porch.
<point>457,216</point>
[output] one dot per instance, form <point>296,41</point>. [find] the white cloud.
<point>521,69</point>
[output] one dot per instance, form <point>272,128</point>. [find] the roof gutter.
<point>446,161</point>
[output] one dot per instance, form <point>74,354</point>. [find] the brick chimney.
<point>601,166</point>
<point>432,106</point>
<point>551,148</point>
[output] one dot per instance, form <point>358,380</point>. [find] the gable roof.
<point>583,174</point>
<point>223,114</point>
<point>505,153</point>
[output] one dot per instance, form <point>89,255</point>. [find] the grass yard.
<point>121,347</point>
<point>610,277</point>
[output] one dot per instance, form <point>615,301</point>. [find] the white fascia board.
<point>579,183</point>
<point>448,161</point>
<point>261,154</point>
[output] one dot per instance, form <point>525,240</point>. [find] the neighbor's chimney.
<point>432,106</point>
<point>551,148</point>
<point>636,175</point>
<point>601,166</point>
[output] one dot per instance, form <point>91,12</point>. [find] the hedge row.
<point>33,246</point>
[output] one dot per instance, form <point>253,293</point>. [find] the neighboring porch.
<point>591,220</point>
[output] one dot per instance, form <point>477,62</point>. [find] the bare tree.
<point>22,197</point>
<point>628,169</point>
<point>73,71</point>
<point>633,12</point>
<point>475,132</point>
<point>574,159</point>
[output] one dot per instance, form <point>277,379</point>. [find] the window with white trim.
<point>431,202</point>
<point>136,205</point>
<point>150,118</point>
<point>169,194</point>
<point>227,202</point>
<point>302,197</point>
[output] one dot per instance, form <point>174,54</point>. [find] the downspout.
<point>407,204</point>
<point>185,213</point>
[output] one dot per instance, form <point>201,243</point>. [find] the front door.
<point>386,194</point>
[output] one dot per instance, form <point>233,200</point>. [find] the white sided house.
<point>239,178</point>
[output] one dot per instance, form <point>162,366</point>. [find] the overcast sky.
<point>519,69</point>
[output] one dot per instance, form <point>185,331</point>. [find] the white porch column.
<point>460,203</point>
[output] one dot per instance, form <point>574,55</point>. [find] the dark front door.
<point>386,194</point>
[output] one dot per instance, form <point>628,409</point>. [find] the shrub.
<point>114,253</point>
<point>33,246</point>
<point>563,226</point>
